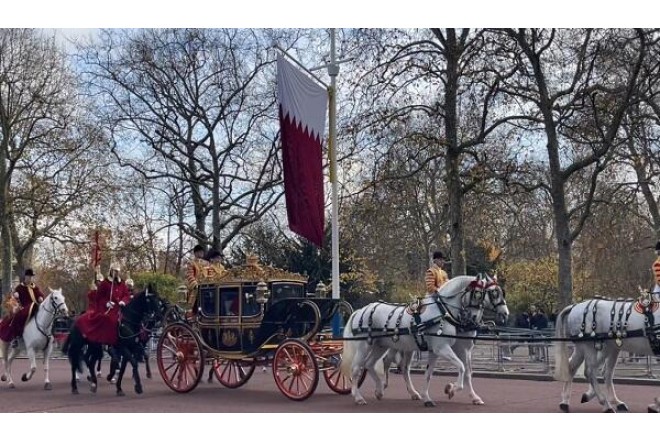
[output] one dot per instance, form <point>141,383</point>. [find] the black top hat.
<point>657,246</point>
<point>438,255</point>
<point>212,254</point>
<point>29,272</point>
<point>198,248</point>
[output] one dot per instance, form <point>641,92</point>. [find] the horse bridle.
<point>140,324</point>
<point>490,289</point>
<point>54,312</point>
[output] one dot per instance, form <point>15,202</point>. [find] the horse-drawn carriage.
<point>250,316</point>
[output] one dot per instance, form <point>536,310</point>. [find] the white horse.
<point>37,336</point>
<point>600,330</point>
<point>455,310</point>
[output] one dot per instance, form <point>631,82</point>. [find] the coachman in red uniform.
<point>99,323</point>
<point>29,296</point>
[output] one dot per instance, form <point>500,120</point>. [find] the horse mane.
<point>455,285</point>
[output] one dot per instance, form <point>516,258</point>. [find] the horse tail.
<point>562,370</point>
<point>349,349</point>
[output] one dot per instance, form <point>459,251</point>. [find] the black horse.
<point>150,325</point>
<point>144,307</point>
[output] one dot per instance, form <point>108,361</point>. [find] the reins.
<point>54,312</point>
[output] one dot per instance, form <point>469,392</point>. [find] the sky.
<point>339,13</point>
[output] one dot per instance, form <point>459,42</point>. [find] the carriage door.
<point>229,328</point>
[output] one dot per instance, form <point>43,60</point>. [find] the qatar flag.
<point>303,109</point>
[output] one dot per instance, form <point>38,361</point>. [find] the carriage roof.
<point>249,272</point>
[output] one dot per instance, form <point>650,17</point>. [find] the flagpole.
<point>333,71</point>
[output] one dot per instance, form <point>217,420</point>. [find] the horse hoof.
<point>48,386</point>
<point>429,404</point>
<point>361,402</point>
<point>564,407</point>
<point>478,402</point>
<point>120,393</point>
<point>4,377</point>
<point>92,388</point>
<point>610,410</point>
<point>109,378</point>
<point>622,407</point>
<point>24,377</point>
<point>138,390</point>
<point>449,390</point>
<point>585,398</point>
<point>416,397</point>
<point>652,409</point>
<point>379,395</point>
<point>12,386</point>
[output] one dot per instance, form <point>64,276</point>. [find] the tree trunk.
<point>5,232</point>
<point>452,163</point>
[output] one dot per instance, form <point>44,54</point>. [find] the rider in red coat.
<point>29,296</point>
<point>100,324</point>
<point>91,295</point>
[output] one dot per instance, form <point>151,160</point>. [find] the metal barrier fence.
<point>512,356</point>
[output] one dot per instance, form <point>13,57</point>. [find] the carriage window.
<point>207,298</point>
<point>249,300</point>
<point>287,290</point>
<point>229,301</point>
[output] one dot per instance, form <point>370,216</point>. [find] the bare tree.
<point>195,106</point>
<point>45,145</point>
<point>443,85</point>
<point>579,85</point>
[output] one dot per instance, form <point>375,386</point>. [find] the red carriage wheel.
<point>180,357</point>
<point>336,380</point>
<point>295,370</point>
<point>233,373</point>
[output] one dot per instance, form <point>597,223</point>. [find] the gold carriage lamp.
<point>321,290</point>
<point>262,293</point>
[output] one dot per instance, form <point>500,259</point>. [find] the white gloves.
<point>110,304</point>
<point>122,303</point>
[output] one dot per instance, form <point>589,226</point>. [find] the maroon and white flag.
<point>303,109</point>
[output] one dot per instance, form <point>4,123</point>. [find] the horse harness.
<point>463,323</point>
<point>124,323</point>
<point>618,329</point>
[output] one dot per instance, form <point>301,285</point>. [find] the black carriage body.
<point>254,315</point>
<point>232,322</point>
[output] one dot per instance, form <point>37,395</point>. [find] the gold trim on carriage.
<point>252,315</point>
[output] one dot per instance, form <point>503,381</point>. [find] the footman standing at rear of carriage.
<point>29,296</point>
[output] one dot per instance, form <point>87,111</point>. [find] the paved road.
<point>260,395</point>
